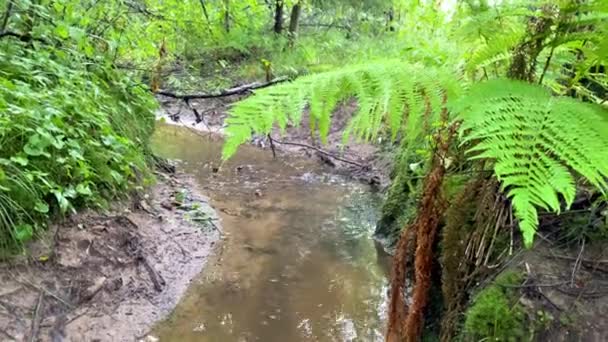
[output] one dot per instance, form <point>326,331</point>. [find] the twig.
<point>577,263</point>
<point>36,319</point>
<point>534,285</point>
<point>42,289</point>
<point>227,92</point>
<point>7,14</point>
<point>274,152</point>
<point>215,226</point>
<point>9,336</point>
<point>547,62</point>
<point>84,312</point>
<point>156,278</point>
<point>348,161</point>
<point>582,293</point>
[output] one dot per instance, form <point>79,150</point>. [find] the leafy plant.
<point>73,130</point>
<point>496,314</point>
<point>532,137</point>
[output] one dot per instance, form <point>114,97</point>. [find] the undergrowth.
<point>496,314</point>
<point>73,134</point>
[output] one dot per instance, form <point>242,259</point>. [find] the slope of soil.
<point>109,277</point>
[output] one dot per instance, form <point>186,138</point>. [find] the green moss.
<point>400,205</point>
<point>496,314</point>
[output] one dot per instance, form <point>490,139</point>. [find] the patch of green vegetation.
<point>73,130</point>
<point>496,314</point>
<point>399,207</point>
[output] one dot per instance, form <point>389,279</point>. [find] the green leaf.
<point>63,202</point>
<point>62,31</point>
<point>84,189</point>
<point>41,207</point>
<point>20,160</point>
<point>24,232</point>
<point>36,146</point>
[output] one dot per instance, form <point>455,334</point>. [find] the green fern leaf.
<point>535,140</point>
<point>390,93</point>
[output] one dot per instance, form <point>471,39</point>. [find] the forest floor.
<point>565,291</point>
<point>109,277</point>
<point>362,161</point>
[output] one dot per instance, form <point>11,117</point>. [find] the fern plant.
<point>535,140</point>
<point>384,91</point>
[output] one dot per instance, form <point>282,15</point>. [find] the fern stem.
<point>547,62</point>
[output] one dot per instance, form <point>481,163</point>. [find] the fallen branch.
<point>42,289</point>
<point>223,93</point>
<point>156,278</point>
<point>22,37</point>
<point>36,319</point>
<point>348,161</point>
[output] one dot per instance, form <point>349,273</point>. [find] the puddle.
<point>298,262</point>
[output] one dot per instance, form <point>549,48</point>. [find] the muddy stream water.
<point>297,262</point>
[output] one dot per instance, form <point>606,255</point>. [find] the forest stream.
<point>297,263</point>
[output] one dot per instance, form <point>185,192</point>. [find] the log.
<point>223,93</point>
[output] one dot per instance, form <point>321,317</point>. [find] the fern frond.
<point>391,94</point>
<point>535,140</point>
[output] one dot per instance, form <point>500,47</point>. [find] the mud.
<point>565,291</point>
<point>109,277</point>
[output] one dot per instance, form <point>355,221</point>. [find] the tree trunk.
<point>278,16</point>
<point>206,16</point>
<point>294,19</point>
<point>227,15</point>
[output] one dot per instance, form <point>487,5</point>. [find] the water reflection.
<point>298,263</point>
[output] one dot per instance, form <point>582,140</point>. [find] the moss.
<point>496,314</point>
<point>401,203</point>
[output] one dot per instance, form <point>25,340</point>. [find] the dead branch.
<point>156,278</point>
<point>559,283</point>
<point>37,318</point>
<point>348,161</point>
<point>9,336</point>
<point>22,37</point>
<point>42,289</point>
<point>577,263</point>
<point>223,93</point>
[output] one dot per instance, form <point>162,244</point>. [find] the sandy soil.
<point>109,277</point>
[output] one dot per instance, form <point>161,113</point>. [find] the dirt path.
<point>109,277</point>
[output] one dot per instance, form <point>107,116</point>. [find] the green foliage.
<point>73,131</point>
<point>384,91</point>
<point>534,139</point>
<point>495,314</point>
<point>572,44</point>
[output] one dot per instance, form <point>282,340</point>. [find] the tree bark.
<point>278,17</point>
<point>227,15</point>
<point>294,19</point>
<point>206,14</point>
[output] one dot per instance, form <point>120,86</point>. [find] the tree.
<point>294,19</point>
<point>278,16</point>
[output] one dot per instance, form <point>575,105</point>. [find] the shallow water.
<point>297,263</point>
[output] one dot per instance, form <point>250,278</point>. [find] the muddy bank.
<point>366,162</point>
<point>109,277</point>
